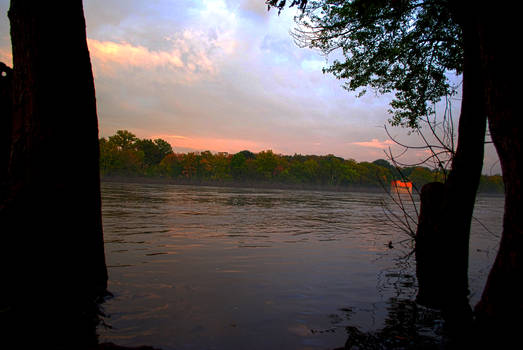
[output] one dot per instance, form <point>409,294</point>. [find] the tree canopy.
<point>406,48</point>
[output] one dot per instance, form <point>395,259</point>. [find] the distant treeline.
<point>125,155</point>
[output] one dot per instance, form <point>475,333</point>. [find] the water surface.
<point>231,268</point>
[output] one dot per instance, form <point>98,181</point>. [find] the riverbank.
<point>242,184</point>
<point>257,185</point>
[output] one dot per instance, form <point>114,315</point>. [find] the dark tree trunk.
<point>500,309</point>
<point>52,251</point>
<point>442,242</point>
<point>430,247</point>
<point>6,117</point>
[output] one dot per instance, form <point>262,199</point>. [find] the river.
<point>194,267</point>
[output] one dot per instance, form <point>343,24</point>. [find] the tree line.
<point>124,154</point>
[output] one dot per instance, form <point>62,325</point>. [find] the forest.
<point>125,155</point>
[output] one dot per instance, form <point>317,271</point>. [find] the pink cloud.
<point>127,54</point>
<point>190,59</point>
<point>211,143</point>
<point>375,143</point>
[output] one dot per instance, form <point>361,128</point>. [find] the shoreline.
<point>236,184</point>
<point>254,185</point>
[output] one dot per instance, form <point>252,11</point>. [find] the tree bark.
<point>52,252</point>
<point>6,109</point>
<point>442,242</point>
<point>501,306</point>
<point>430,246</point>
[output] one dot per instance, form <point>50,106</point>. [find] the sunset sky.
<point>223,75</point>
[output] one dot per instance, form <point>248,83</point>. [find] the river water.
<point>195,267</point>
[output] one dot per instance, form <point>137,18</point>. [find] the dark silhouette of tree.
<point>53,263</point>
<point>6,87</point>
<point>501,305</point>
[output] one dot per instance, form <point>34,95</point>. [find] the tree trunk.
<point>442,240</point>
<point>6,107</point>
<point>499,311</point>
<point>429,247</point>
<point>52,252</point>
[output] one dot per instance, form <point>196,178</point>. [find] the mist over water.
<point>232,268</point>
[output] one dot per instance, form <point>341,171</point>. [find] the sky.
<point>225,76</point>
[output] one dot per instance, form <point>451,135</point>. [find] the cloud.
<point>125,54</point>
<point>375,143</point>
<point>193,55</point>
<point>222,75</point>
<point>256,7</point>
<point>312,65</point>
<point>214,144</point>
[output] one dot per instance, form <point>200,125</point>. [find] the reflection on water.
<point>229,268</point>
